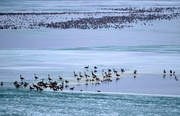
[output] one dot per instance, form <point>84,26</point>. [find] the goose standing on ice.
<point>72,88</point>
<point>75,75</point>
<point>86,67</point>
<point>49,77</point>
<point>135,71</point>
<point>170,71</point>
<point>80,75</point>
<point>164,71</point>
<point>35,77</point>
<point>60,78</point>
<point>22,78</point>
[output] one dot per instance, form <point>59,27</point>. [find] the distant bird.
<point>66,81</point>
<point>103,75</point>
<point>95,67</point>
<point>171,71</point>
<point>26,84</point>
<point>86,67</point>
<point>17,85</point>
<point>31,88</point>
<point>80,75</point>
<point>87,80</point>
<point>115,71</point>
<point>122,70</point>
<point>49,77</point>
<point>78,79</point>
<point>22,78</point>
<point>95,71</point>
<point>135,71</point>
<point>164,71</point>
<point>97,79</point>
<point>117,74</point>
<point>60,78</point>
<point>174,73</point>
<point>93,75</point>
<point>72,88</point>
<point>108,75</point>
<point>40,89</point>
<point>15,82</point>
<point>75,75</point>
<point>35,77</point>
<point>86,75</point>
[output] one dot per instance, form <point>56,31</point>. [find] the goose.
<point>97,79</point>
<point>35,76</point>
<point>40,89</point>
<point>108,75</point>
<point>26,84</point>
<point>115,71</point>
<point>49,77</point>
<point>17,85</point>
<point>80,75</point>
<point>75,75</point>
<point>95,67</point>
<point>86,75</point>
<point>22,78</point>
<point>93,75</point>
<point>15,82</point>
<point>55,88</point>
<point>171,71</point>
<point>174,73</point>
<point>135,71</point>
<point>117,74</point>
<point>87,80</point>
<point>122,70</point>
<point>60,78</point>
<point>164,71</point>
<point>72,88</point>
<point>66,81</point>
<point>86,67</point>
<point>31,88</point>
<point>95,71</point>
<point>66,86</point>
<point>78,79</point>
<point>103,75</point>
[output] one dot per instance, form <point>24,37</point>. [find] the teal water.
<point>26,103</point>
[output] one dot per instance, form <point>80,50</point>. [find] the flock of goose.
<point>92,77</point>
<point>172,73</point>
<point>123,17</point>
